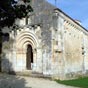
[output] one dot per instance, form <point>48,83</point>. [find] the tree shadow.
<point>10,81</point>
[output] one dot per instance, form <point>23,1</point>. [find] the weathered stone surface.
<point>59,44</point>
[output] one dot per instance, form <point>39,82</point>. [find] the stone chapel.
<point>48,42</point>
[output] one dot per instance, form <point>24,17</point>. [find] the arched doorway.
<point>29,57</point>
<point>29,54</point>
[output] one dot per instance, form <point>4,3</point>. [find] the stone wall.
<point>69,47</point>
<point>75,48</point>
<point>59,43</point>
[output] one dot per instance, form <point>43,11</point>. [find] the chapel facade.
<point>48,42</point>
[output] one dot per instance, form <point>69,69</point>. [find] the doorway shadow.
<point>29,57</point>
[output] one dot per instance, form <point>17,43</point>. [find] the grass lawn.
<point>80,82</point>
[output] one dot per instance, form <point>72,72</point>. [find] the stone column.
<point>13,61</point>
<point>20,61</point>
<point>34,60</point>
<point>24,59</point>
<point>39,60</point>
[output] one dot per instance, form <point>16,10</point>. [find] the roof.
<point>70,18</point>
<point>43,13</point>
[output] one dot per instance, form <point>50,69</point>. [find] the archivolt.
<point>25,38</point>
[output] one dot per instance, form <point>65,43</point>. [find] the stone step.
<point>32,74</point>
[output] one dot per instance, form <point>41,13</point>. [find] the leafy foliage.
<point>12,9</point>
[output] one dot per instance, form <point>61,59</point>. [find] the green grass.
<point>80,82</point>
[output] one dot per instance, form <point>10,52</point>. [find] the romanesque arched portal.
<point>27,50</point>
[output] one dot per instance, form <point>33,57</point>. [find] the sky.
<point>76,9</point>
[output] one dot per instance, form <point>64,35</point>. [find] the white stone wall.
<point>69,48</point>
<point>85,51</point>
<point>73,50</point>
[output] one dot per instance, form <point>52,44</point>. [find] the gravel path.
<point>10,81</point>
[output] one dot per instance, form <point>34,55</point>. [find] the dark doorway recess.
<point>29,57</point>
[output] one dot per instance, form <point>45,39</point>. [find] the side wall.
<point>73,43</point>
<point>69,47</point>
<point>75,47</point>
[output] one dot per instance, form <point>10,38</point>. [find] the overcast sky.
<point>76,9</point>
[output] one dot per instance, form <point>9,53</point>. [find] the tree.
<point>12,9</point>
<point>9,11</point>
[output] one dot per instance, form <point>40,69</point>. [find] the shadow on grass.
<point>80,82</point>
